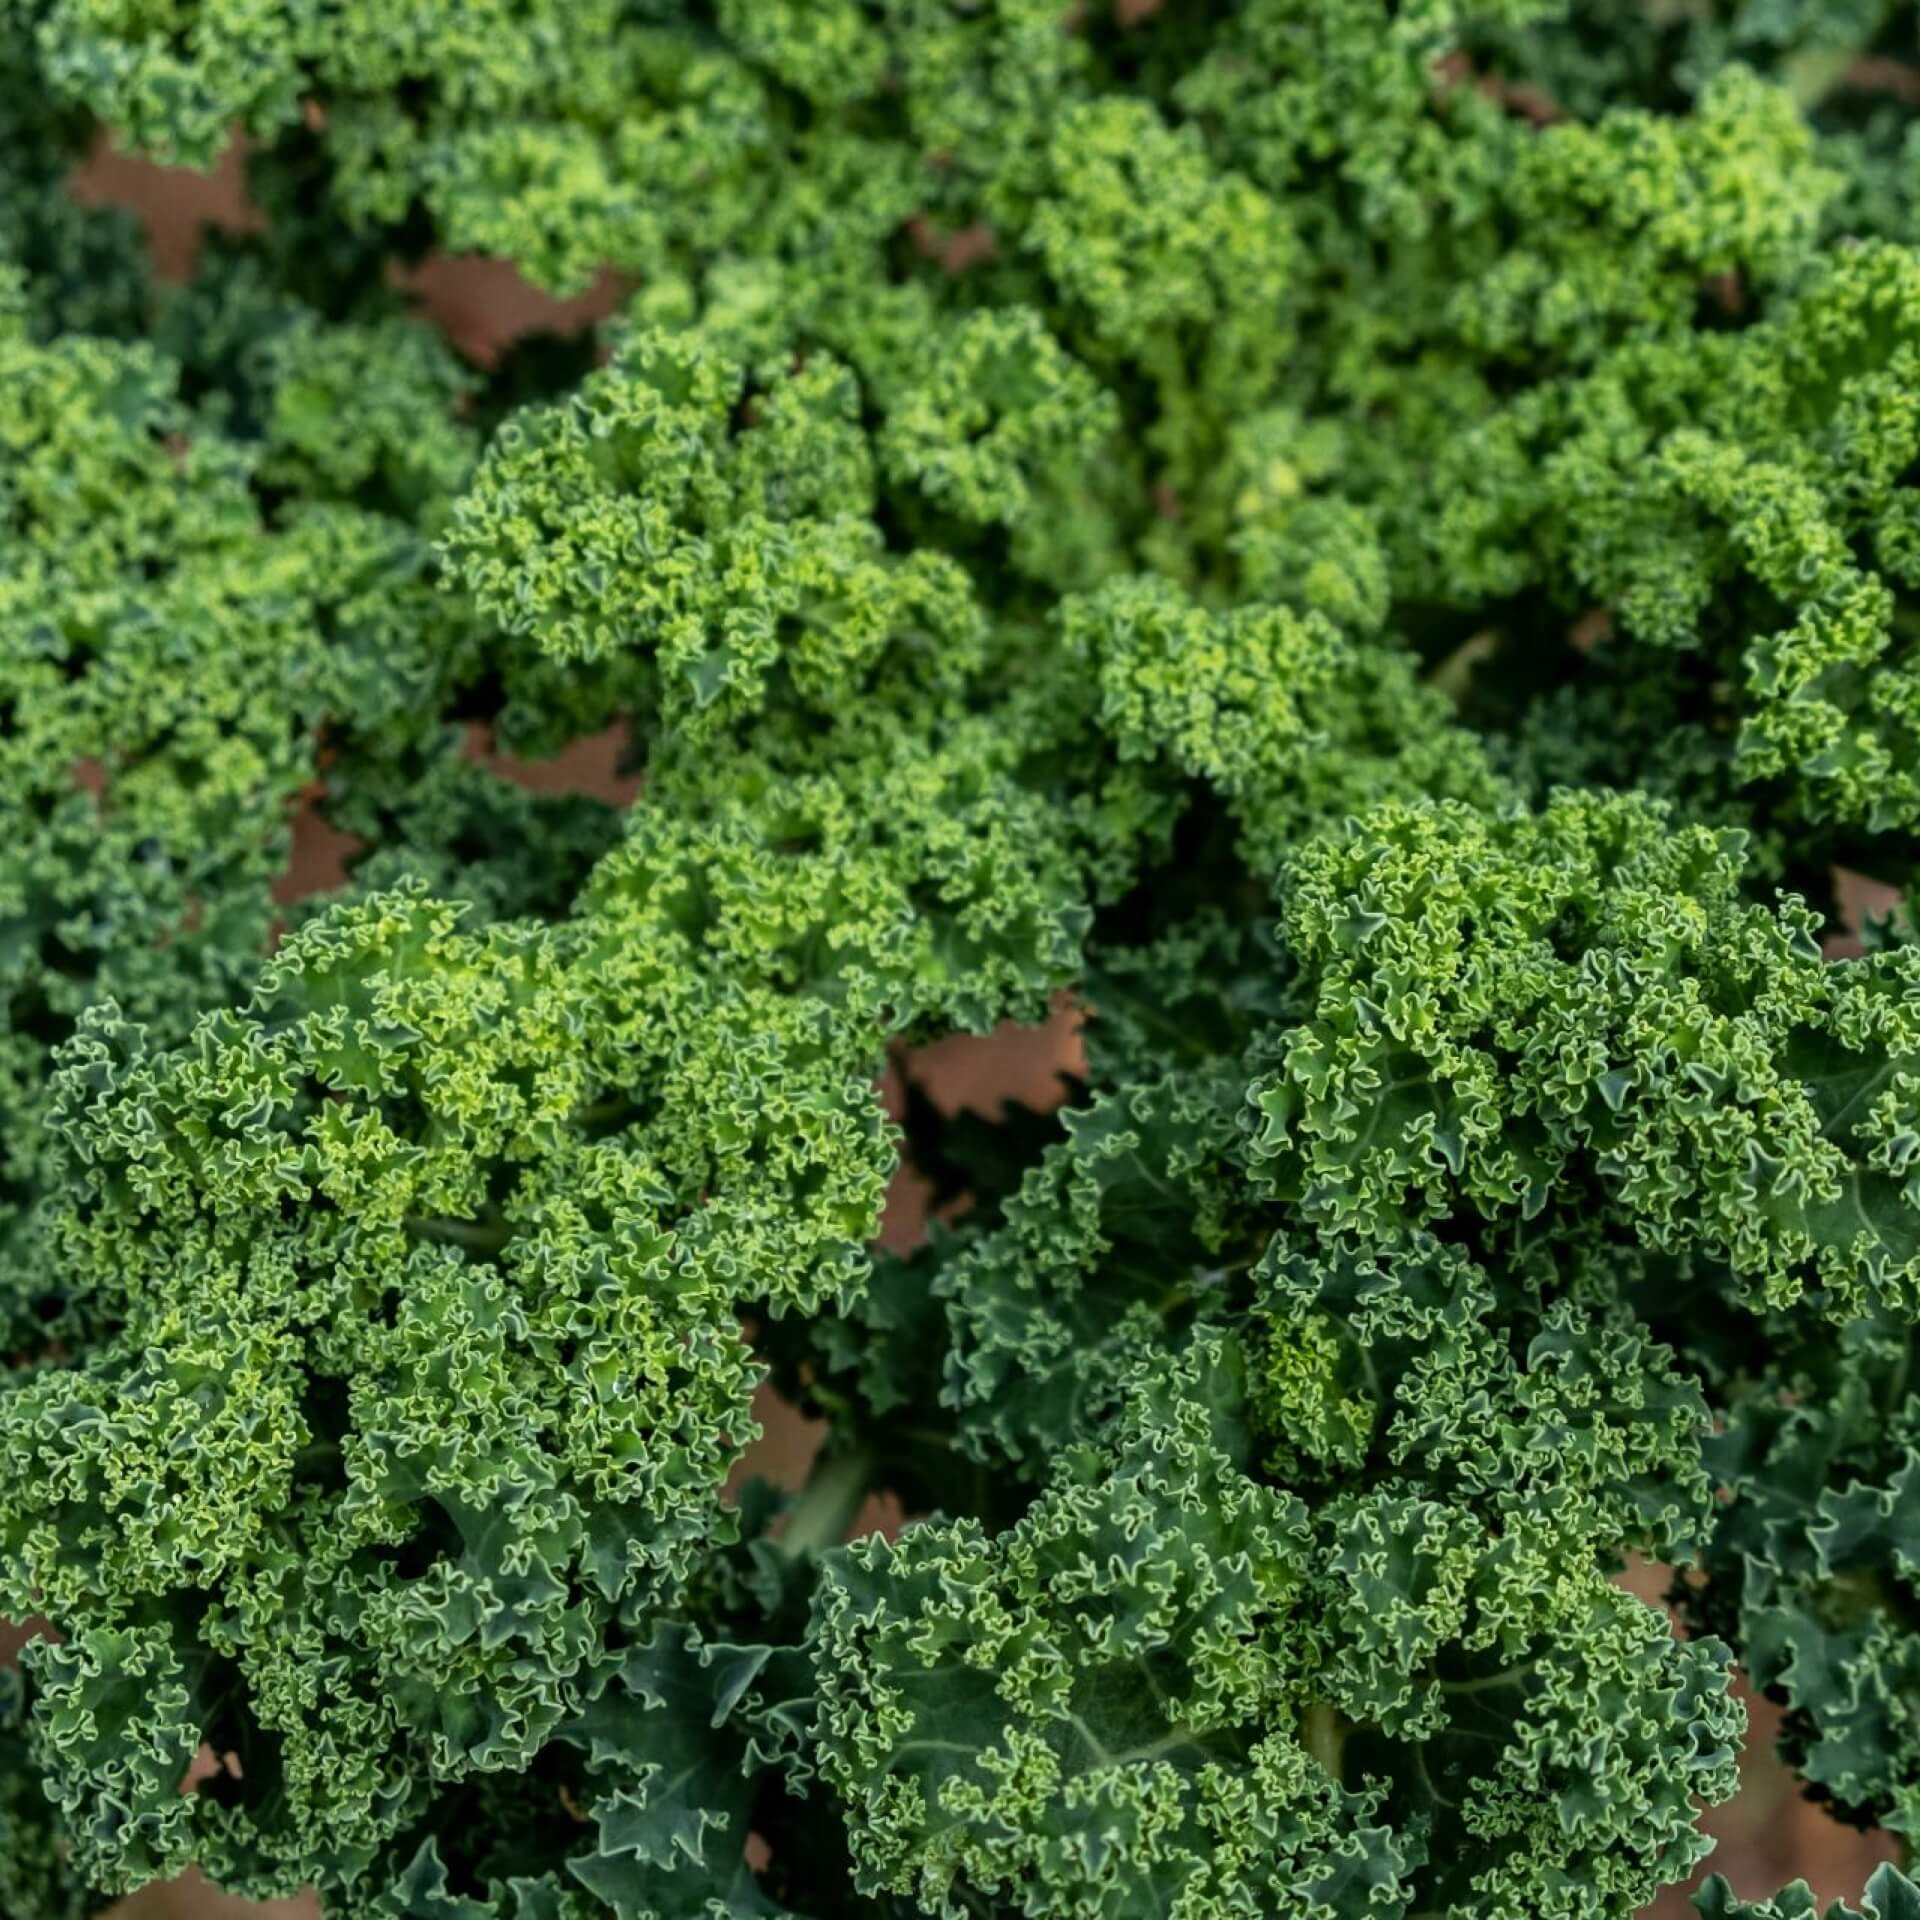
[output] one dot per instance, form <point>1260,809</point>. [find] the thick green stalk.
<point>825,1509</point>
<point>1324,1732</point>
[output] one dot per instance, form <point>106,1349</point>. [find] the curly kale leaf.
<point>632,528</point>
<point>1889,1895</point>
<point>1070,1717</point>
<point>1290,721</point>
<point>1741,502</point>
<point>1813,1566</point>
<point>418,1371</point>
<point>640,1807</point>
<point>1169,1680</point>
<point>1503,1011</point>
<point>1410,1361</point>
<point>174,646</point>
<point>37,1877</point>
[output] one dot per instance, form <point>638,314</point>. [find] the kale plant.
<point>1369,549</point>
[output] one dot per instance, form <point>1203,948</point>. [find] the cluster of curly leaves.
<point>1375,545</point>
